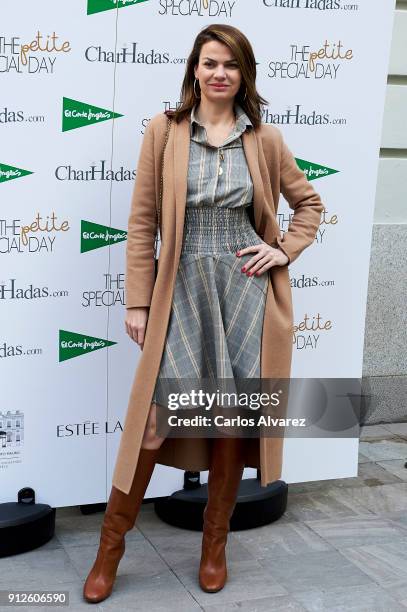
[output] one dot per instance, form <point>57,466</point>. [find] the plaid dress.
<point>216,319</point>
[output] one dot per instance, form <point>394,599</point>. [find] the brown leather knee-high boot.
<point>120,516</point>
<point>227,465</point>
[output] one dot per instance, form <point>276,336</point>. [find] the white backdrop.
<point>66,175</point>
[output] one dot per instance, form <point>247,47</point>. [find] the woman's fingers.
<point>261,251</point>
<point>266,257</point>
<point>135,324</point>
<point>141,333</point>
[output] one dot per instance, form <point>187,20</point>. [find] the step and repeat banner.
<point>79,83</point>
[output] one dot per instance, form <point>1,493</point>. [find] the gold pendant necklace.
<point>221,155</point>
<point>222,158</point>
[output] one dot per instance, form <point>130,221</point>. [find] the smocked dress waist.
<point>211,230</point>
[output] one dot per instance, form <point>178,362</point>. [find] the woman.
<point>223,266</point>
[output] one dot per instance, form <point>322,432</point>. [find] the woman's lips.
<point>219,86</point>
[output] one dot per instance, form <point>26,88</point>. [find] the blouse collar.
<point>242,120</point>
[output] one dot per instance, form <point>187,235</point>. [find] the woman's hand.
<point>136,323</point>
<point>266,257</point>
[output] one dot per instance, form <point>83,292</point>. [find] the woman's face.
<point>217,66</point>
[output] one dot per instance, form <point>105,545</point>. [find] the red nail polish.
<point>243,269</point>
<point>238,253</point>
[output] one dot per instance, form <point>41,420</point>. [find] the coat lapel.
<point>180,166</point>
<point>250,146</point>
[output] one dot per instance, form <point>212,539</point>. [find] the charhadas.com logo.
<point>76,114</point>
<point>95,236</point>
<point>97,6</point>
<point>73,345</point>
<point>314,171</point>
<point>8,173</point>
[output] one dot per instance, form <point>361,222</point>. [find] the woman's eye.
<point>230,65</point>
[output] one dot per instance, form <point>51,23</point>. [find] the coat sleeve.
<point>304,200</point>
<point>142,226</point>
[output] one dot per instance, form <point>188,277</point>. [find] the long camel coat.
<point>273,170</point>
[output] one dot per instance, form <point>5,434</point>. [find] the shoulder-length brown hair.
<point>243,53</point>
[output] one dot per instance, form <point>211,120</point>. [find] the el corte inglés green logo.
<point>76,114</point>
<point>8,173</point>
<point>97,6</point>
<point>314,171</point>
<point>95,236</point>
<point>73,345</point>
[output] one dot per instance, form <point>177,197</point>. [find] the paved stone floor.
<point>341,545</point>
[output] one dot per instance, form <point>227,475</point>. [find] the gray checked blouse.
<point>206,187</point>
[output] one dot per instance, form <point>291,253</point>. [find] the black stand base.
<point>24,527</point>
<point>255,506</point>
